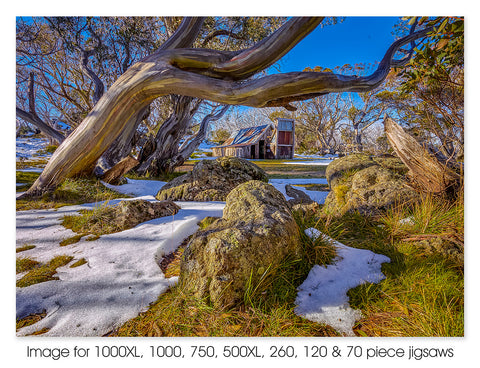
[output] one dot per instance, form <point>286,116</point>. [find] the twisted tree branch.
<point>206,74</point>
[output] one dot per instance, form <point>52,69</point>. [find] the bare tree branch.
<point>205,74</point>
<point>40,124</point>
<point>99,86</point>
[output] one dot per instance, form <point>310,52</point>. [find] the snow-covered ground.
<point>122,277</point>
<point>316,195</point>
<point>323,295</point>
<point>27,148</point>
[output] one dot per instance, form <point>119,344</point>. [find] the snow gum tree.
<point>220,76</point>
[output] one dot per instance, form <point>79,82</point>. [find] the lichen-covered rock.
<point>211,180</point>
<point>257,231</point>
<point>346,165</point>
<point>444,247</point>
<point>128,214</point>
<point>125,215</point>
<point>367,185</point>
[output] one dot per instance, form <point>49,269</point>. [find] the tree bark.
<point>186,150</point>
<point>40,124</point>
<point>184,36</point>
<point>429,173</point>
<point>123,144</point>
<point>115,174</point>
<point>32,117</point>
<point>207,74</point>
<point>99,86</point>
<point>168,137</point>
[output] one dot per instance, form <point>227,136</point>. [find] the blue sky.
<point>355,40</point>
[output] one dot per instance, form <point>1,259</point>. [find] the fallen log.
<point>425,170</point>
<point>115,174</point>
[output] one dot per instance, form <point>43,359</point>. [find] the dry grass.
<point>24,248</point>
<point>30,319</point>
<point>179,314</point>
<point>43,272</point>
<point>70,192</point>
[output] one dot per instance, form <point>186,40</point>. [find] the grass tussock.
<point>70,192</point>
<point>30,320</point>
<point>96,222</point>
<point>79,263</point>
<point>422,296</point>
<point>36,162</point>
<point>72,240</point>
<point>164,177</point>
<point>25,247</point>
<point>423,293</point>
<point>429,217</point>
<point>25,264</point>
<point>43,272</point>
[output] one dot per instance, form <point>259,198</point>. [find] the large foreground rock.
<point>368,185</point>
<point>211,180</point>
<point>256,232</point>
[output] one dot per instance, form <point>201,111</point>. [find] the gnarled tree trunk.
<point>207,74</point>
<point>168,137</point>
<point>122,146</point>
<point>186,149</point>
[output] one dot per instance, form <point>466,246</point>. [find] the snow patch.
<point>138,187</point>
<point>26,148</point>
<point>121,277</point>
<point>315,195</point>
<point>322,297</point>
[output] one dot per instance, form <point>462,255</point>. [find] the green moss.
<point>44,272</point>
<point>27,178</point>
<point>207,221</point>
<point>340,192</point>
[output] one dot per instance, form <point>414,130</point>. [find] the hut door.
<point>261,149</point>
<point>252,151</point>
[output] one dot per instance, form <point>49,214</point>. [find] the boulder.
<point>368,185</point>
<point>211,180</point>
<point>257,231</point>
<point>298,196</point>
<point>126,215</point>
